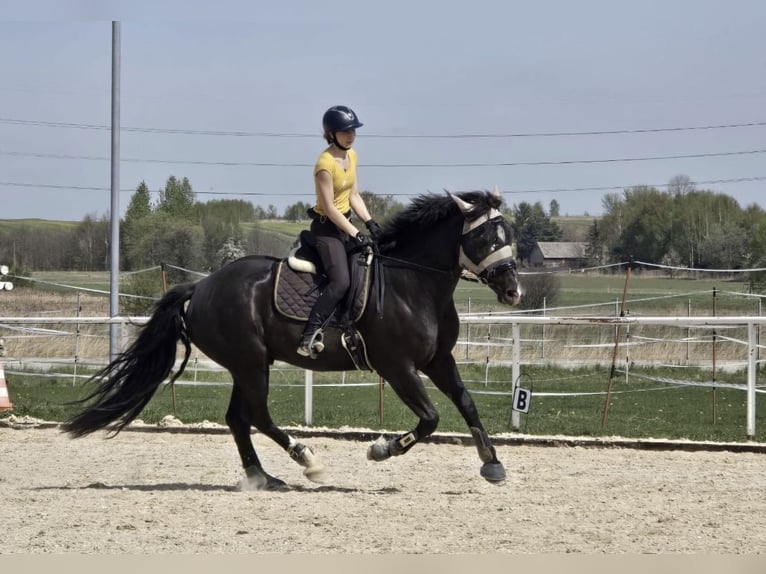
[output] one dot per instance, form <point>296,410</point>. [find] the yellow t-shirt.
<point>342,179</point>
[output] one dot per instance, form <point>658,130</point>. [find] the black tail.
<point>126,385</point>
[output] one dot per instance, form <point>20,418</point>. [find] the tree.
<point>221,222</point>
<point>645,232</point>
<point>596,248</point>
<point>297,211</point>
<point>680,185</point>
<point>140,204</point>
<point>381,207</point>
<point>530,225</point>
<point>229,210</point>
<point>554,208</point>
<point>177,198</point>
<point>230,251</point>
<point>698,218</point>
<point>89,244</point>
<point>139,208</point>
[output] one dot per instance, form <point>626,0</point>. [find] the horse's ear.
<point>464,206</point>
<point>496,198</point>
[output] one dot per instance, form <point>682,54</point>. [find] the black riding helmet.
<point>339,119</point>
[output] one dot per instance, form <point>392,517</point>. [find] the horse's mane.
<point>427,210</point>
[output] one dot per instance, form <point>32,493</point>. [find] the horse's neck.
<point>435,250</point>
<point>434,265</point>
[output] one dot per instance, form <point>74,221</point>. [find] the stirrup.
<point>356,348</point>
<point>314,346</point>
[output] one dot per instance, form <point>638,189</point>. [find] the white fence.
<point>752,324</point>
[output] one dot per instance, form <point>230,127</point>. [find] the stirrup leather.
<point>353,342</point>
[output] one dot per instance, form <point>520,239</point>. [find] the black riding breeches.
<point>332,250</point>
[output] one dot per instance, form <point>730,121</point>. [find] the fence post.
<point>542,349</point>
<point>515,372</point>
<point>309,397</point>
<point>751,374</point>
<point>76,341</point>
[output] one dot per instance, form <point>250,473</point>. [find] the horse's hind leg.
<point>238,420</point>
<point>444,374</point>
<point>249,407</point>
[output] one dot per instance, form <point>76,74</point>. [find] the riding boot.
<point>311,342</point>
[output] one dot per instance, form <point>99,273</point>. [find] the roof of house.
<point>563,249</point>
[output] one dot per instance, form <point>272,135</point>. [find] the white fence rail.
<point>752,323</point>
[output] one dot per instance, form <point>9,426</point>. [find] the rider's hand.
<point>375,229</point>
<point>363,240</point>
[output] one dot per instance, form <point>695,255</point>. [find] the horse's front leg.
<point>383,449</point>
<point>409,387</point>
<point>444,374</point>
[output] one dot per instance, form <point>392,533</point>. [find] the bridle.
<point>485,270</point>
<point>496,262</point>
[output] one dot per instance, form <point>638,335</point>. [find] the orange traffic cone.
<point>5,400</point>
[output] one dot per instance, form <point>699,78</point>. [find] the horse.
<point>230,316</point>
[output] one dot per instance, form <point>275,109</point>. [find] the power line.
<point>268,134</point>
<point>393,165</point>
<point>311,193</point>
<point>619,187</point>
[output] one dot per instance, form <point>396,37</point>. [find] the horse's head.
<point>486,247</point>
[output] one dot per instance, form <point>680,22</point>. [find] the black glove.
<point>363,240</point>
<point>375,230</point>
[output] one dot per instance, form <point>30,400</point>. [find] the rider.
<point>337,195</point>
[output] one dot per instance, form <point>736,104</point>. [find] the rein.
<point>412,265</point>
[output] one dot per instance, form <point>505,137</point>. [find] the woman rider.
<point>337,195</point>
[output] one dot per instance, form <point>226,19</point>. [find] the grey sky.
<point>407,68</point>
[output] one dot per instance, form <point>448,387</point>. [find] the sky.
<point>454,96</point>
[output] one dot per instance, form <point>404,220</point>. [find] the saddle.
<point>300,279</point>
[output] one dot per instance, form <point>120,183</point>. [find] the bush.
<point>540,290</point>
<point>147,288</point>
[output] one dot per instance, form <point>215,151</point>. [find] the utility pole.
<point>114,278</point>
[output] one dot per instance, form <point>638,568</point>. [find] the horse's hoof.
<point>315,473</point>
<point>493,472</point>
<point>378,450</point>
<point>273,484</point>
<point>257,479</point>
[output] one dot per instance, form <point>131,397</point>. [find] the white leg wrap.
<point>304,456</point>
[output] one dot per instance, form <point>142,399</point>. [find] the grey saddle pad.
<point>296,292</point>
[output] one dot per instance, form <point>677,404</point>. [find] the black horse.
<point>231,317</point>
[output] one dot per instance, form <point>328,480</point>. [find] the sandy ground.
<point>163,492</point>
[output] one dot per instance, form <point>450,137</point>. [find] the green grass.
<point>13,225</point>
<point>84,279</point>
<point>289,229</point>
<point>638,408</point>
<point>646,295</point>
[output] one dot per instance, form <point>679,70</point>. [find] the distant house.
<point>559,254</point>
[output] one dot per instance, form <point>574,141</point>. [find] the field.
<point>567,368</point>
